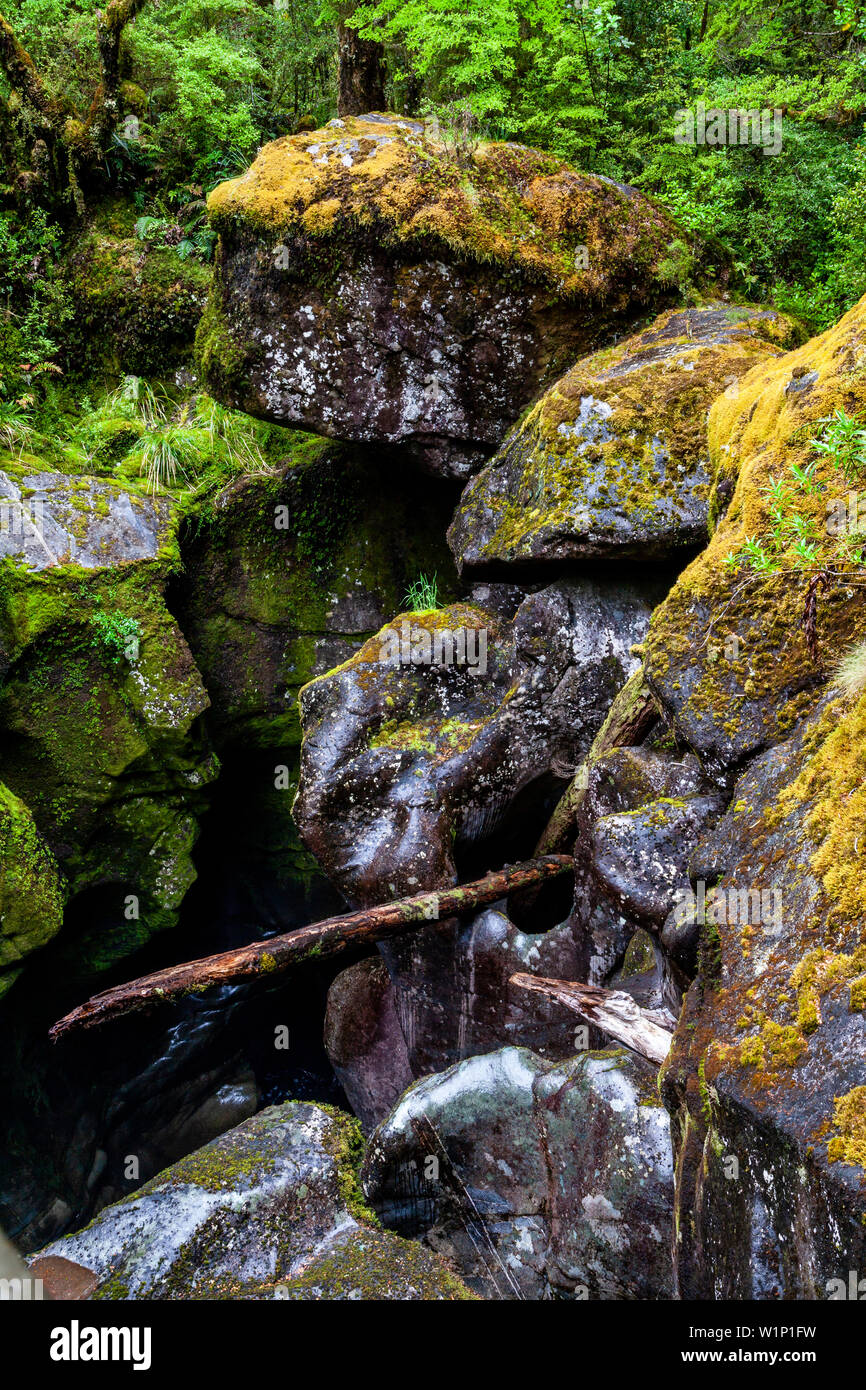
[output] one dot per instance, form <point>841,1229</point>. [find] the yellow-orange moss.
<point>849,1118</point>
<point>503,203</point>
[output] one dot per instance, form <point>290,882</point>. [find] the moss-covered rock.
<point>135,306</point>
<point>272,1209</point>
<point>765,1077</point>
<point>291,572</point>
<point>613,460</point>
<point>101,703</point>
<point>32,890</point>
<point>447,728</point>
<point>372,288</point>
<point>727,654</point>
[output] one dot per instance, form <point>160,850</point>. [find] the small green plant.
<point>793,537</point>
<point>168,450</point>
<point>136,399</point>
<point>120,635</point>
<point>231,434</point>
<point>679,269</point>
<point>187,233</point>
<point>422,594</point>
<point>16,432</point>
<point>851,671</point>
<point>843,441</point>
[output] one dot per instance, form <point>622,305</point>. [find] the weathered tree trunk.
<point>362,73</point>
<point>50,148</point>
<point>643,1030</point>
<point>329,938</point>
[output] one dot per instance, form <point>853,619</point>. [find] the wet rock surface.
<point>403,755</point>
<point>540,1180</point>
<point>613,460</point>
<point>269,1210</point>
<point>766,1077</point>
<point>403,767</point>
<point>371,288</point>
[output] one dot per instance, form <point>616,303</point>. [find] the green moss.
<point>849,1118</point>
<point>509,205</point>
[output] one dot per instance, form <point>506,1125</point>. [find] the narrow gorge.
<point>508,551</point>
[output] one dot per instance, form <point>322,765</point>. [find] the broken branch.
<point>643,1030</point>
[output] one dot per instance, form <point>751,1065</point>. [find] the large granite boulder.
<point>613,461</point>
<point>536,1179</point>
<point>371,287</point>
<point>728,656</point>
<point>272,1209</point>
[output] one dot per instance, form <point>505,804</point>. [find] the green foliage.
<point>34,299</point>
<point>120,635</point>
<point>843,441</point>
<point>422,594</point>
<point>599,82</point>
<point>794,540</point>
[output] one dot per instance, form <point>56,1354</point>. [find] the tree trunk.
<point>329,938</point>
<point>362,73</point>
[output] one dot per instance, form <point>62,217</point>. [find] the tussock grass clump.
<point>850,673</point>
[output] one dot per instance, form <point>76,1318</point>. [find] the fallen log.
<point>643,1030</point>
<point>321,939</point>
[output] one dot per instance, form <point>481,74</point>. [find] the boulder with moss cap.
<point>613,462</point>
<point>765,1082</point>
<point>272,1209</point>
<point>371,287</point>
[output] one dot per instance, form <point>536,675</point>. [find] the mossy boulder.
<point>272,1209</point>
<point>613,461</point>
<point>288,574</point>
<point>727,656</point>
<point>32,890</point>
<point>101,706</point>
<point>446,733</point>
<point>91,522</point>
<point>568,1168</point>
<point>371,287</point>
<point>765,1080</point>
<point>135,306</point>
